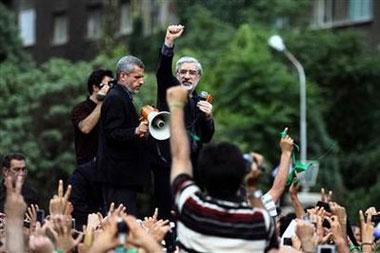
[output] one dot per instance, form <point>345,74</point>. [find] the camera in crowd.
<point>326,248</point>
<point>110,83</point>
<point>100,95</point>
<point>249,159</point>
<point>376,218</point>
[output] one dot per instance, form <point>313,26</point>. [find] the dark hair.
<point>6,161</point>
<point>221,169</point>
<point>96,78</point>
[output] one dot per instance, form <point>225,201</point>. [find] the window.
<point>94,23</point>
<point>27,23</point>
<point>126,20</point>
<point>60,33</point>
<point>360,9</point>
<point>328,13</point>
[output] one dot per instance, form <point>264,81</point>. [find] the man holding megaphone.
<point>198,113</point>
<point>122,160</point>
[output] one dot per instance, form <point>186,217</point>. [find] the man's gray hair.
<point>187,59</point>
<point>127,64</point>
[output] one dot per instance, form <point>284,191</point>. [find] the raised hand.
<point>139,238</point>
<point>338,234</point>
<point>156,228</point>
<point>172,33</point>
<point>159,230</point>
<point>341,214</point>
<point>59,204</point>
<point>294,189</point>
<point>63,234</point>
<point>306,232</point>
<point>326,197</point>
<point>106,239</point>
<point>31,216</point>
<point>40,244</point>
<point>150,221</point>
<point>286,143</point>
<point>93,221</point>
<point>14,209</point>
<point>366,229</point>
<point>177,96</point>
<point>15,205</point>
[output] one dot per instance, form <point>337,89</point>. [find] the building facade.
<point>71,28</point>
<point>363,15</point>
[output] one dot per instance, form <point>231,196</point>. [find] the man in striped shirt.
<point>216,221</point>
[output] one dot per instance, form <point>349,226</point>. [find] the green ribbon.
<point>122,249</point>
<point>355,248</point>
<point>297,165</point>
<point>193,136</point>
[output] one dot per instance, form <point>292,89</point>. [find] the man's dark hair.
<point>6,161</point>
<point>221,169</point>
<point>96,78</point>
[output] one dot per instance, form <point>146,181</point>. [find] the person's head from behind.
<point>188,72</point>
<point>130,73</point>
<point>14,165</point>
<point>221,169</point>
<point>97,79</point>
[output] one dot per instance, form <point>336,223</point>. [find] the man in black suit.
<point>198,114</point>
<point>122,163</point>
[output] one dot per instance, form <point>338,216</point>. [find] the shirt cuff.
<point>167,51</point>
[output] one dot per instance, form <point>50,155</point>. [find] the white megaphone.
<point>158,122</point>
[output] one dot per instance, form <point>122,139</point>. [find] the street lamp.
<point>276,42</point>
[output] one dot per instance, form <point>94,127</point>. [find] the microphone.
<point>204,96</point>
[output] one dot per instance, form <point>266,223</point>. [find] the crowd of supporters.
<point>218,218</point>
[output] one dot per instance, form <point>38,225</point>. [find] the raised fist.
<point>177,94</point>
<point>173,32</point>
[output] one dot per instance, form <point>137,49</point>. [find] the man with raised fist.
<point>198,113</point>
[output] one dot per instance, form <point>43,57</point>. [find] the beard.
<point>188,85</point>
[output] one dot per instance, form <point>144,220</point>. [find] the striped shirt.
<point>269,204</point>
<point>207,224</point>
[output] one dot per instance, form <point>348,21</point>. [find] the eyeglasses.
<point>18,169</point>
<point>190,71</point>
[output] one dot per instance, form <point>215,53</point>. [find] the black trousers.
<point>86,195</point>
<point>119,195</point>
<point>162,191</point>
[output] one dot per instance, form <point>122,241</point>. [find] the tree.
<point>10,42</point>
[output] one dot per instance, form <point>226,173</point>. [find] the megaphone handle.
<point>141,135</point>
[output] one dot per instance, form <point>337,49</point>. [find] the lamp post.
<point>277,43</point>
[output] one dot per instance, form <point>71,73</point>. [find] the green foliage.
<point>145,47</point>
<point>237,12</point>
<point>348,74</point>
<point>10,43</point>
<point>35,112</point>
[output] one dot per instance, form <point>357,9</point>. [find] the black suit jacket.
<point>200,129</point>
<point>121,160</point>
